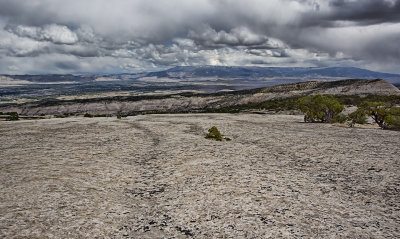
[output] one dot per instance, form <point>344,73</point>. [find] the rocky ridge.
<point>196,102</point>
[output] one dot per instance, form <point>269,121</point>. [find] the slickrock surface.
<point>156,176</point>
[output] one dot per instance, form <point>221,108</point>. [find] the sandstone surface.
<point>156,176</point>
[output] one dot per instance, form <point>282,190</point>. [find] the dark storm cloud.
<point>367,11</point>
<point>66,65</point>
<point>138,35</point>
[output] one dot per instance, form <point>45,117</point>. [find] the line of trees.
<point>327,109</point>
<point>386,115</point>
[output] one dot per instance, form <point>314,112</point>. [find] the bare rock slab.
<point>156,176</point>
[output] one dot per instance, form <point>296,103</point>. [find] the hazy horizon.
<point>200,66</point>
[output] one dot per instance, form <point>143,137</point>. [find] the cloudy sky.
<point>76,36</point>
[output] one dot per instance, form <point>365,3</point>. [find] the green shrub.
<point>340,118</point>
<point>88,115</point>
<point>119,116</point>
<point>393,119</point>
<point>357,117</point>
<point>12,116</point>
<point>379,111</point>
<point>384,114</point>
<point>319,108</point>
<point>213,133</point>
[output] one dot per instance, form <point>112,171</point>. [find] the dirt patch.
<point>156,176</point>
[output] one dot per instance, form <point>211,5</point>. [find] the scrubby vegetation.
<point>357,117</point>
<point>393,121</point>
<point>291,103</point>
<point>213,133</point>
<point>12,116</point>
<point>275,105</point>
<point>320,108</point>
<point>359,100</point>
<point>323,108</point>
<point>340,118</point>
<point>386,115</point>
<point>65,115</point>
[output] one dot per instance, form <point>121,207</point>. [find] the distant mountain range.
<point>206,79</point>
<point>186,72</point>
<point>262,72</point>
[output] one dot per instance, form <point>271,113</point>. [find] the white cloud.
<point>58,34</point>
<point>53,33</point>
<point>19,46</point>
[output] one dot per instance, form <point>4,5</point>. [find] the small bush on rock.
<point>213,133</point>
